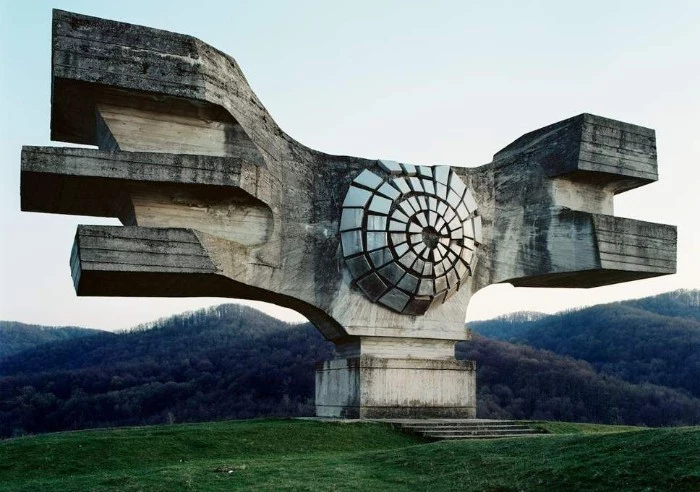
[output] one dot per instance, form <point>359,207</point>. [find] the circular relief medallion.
<point>409,234</point>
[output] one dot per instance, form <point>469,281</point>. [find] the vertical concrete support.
<point>385,377</point>
<point>373,387</point>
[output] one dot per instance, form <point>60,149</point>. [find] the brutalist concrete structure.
<point>383,257</point>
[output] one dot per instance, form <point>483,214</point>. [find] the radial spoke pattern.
<point>408,234</point>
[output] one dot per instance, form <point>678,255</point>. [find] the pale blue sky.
<point>421,82</point>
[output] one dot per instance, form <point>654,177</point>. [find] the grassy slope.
<point>577,428</point>
<point>307,455</point>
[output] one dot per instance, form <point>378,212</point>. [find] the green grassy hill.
<point>312,455</point>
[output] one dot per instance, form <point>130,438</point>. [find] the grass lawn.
<point>576,428</point>
<point>311,455</point>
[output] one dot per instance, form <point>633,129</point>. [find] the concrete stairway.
<point>466,428</point>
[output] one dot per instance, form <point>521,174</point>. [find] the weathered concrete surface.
<point>370,387</point>
<point>217,200</point>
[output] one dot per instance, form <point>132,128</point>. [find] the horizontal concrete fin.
<point>589,147</point>
<point>590,250</point>
<point>98,183</point>
<point>136,261</point>
<point>141,249</point>
<point>136,166</point>
<point>616,134</point>
<point>617,152</point>
<point>90,28</point>
<point>634,245</point>
<point>169,262</point>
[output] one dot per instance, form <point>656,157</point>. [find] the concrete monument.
<point>383,257</point>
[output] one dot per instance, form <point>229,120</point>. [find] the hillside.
<point>312,455</point>
<point>163,342</point>
<point>680,303</point>
<point>17,337</point>
<point>224,362</point>
<point>235,362</point>
<point>520,382</point>
<point>652,340</point>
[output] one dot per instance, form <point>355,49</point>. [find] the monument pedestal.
<point>375,387</point>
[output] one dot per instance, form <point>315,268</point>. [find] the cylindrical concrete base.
<point>372,387</point>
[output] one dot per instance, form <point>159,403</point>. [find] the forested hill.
<point>235,362</point>
<point>651,340</point>
<point>166,341</point>
<point>679,304</point>
<point>17,337</point>
<point>228,361</point>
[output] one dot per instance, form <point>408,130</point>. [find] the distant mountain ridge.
<point>651,340</point>
<point>683,303</point>
<point>16,337</point>
<point>188,330</point>
<point>232,361</point>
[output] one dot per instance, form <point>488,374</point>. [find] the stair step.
<point>475,427</point>
<point>457,429</point>
<point>438,424</point>
<point>478,430</point>
<point>451,421</point>
<point>495,424</point>
<point>466,429</point>
<point>472,433</point>
<point>504,436</point>
<point>475,431</point>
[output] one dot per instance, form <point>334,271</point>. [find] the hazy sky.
<point>420,82</point>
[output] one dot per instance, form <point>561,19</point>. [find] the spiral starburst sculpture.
<point>408,235</point>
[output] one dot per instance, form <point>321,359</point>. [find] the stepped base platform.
<point>441,429</point>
